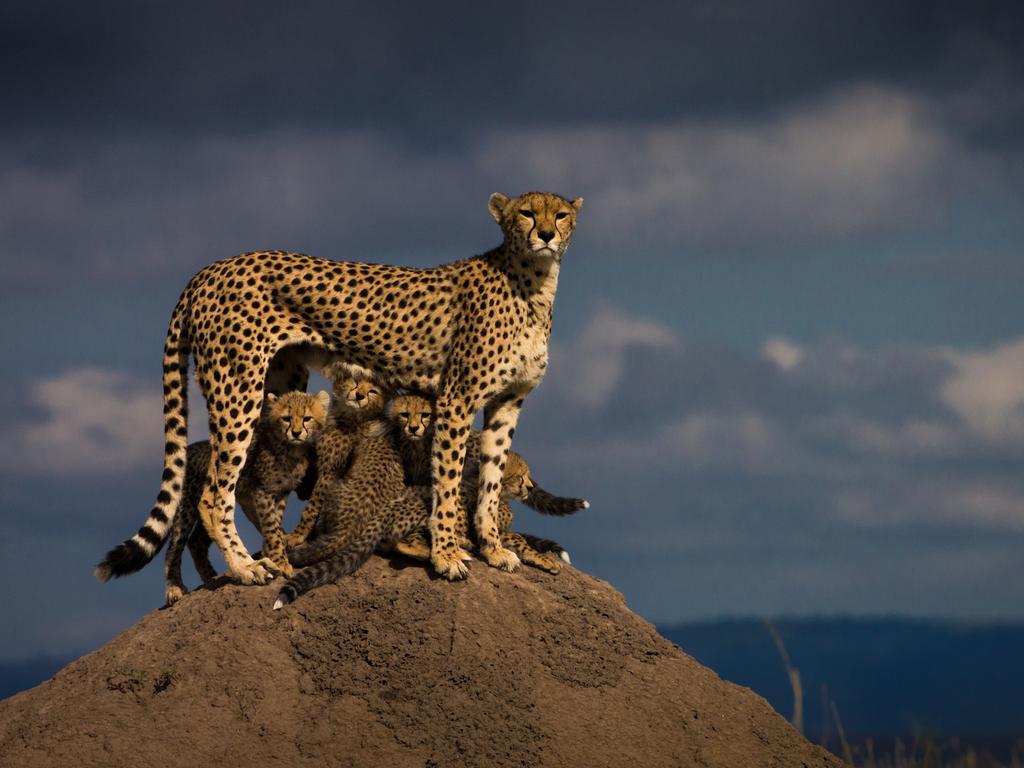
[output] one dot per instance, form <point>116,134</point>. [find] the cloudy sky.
<point>788,358</point>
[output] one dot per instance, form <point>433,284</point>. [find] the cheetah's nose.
<point>296,435</point>
<point>545,235</point>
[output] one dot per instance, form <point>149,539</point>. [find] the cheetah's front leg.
<point>500,418</point>
<point>267,512</point>
<point>447,458</point>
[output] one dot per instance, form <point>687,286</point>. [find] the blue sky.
<point>788,359</point>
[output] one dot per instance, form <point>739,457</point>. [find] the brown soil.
<point>393,668</point>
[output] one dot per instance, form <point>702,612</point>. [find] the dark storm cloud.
<point>863,162</point>
<point>143,140</point>
<point>428,72</point>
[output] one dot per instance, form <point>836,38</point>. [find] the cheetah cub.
<point>278,459</point>
<point>413,417</point>
<point>362,503</point>
<point>355,401</point>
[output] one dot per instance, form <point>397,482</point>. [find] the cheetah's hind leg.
<point>517,543</point>
<point>547,546</point>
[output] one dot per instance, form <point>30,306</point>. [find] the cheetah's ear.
<point>577,203</point>
<point>324,398</point>
<point>270,398</point>
<point>496,205</point>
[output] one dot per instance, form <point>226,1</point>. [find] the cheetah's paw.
<point>501,558</point>
<point>173,593</point>
<point>549,564</point>
<point>450,565</point>
<point>256,572</point>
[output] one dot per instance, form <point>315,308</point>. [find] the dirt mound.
<point>393,668</point>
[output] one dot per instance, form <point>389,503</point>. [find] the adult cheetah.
<point>473,332</point>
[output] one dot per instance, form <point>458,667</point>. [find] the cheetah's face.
<point>298,415</point>
<point>365,395</point>
<point>539,223</point>
<point>413,416</point>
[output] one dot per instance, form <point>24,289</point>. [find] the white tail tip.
<point>278,605</point>
<point>565,556</point>
<point>586,505</point>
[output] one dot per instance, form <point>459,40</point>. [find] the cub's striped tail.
<point>547,545</point>
<point>325,572</point>
<point>134,553</point>
<point>542,501</point>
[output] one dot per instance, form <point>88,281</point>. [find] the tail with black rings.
<point>134,553</point>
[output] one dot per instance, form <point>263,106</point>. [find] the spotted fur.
<point>355,400</point>
<point>277,461</point>
<point>475,332</point>
<point>412,422</point>
<point>413,416</point>
<point>360,507</point>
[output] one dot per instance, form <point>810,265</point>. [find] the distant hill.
<point>888,677</point>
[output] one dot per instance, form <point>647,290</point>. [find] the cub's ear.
<point>577,203</point>
<point>496,205</point>
<point>324,398</point>
<point>270,398</point>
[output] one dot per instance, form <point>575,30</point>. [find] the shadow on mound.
<point>390,667</point>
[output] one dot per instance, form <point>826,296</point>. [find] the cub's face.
<point>298,415</point>
<point>366,396</point>
<point>540,223</point>
<point>413,415</point>
<point>515,481</point>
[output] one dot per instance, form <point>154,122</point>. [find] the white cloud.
<point>783,352</point>
<point>987,391</point>
<point>594,365</point>
<point>875,436</point>
<point>92,422</point>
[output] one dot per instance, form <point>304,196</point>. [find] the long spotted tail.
<point>545,503</point>
<point>136,552</point>
<point>547,545</point>
<point>325,572</point>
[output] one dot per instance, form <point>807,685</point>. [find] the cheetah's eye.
<point>306,419</point>
<point>403,415</point>
<point>561,215</point>
<point>526,213</point>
